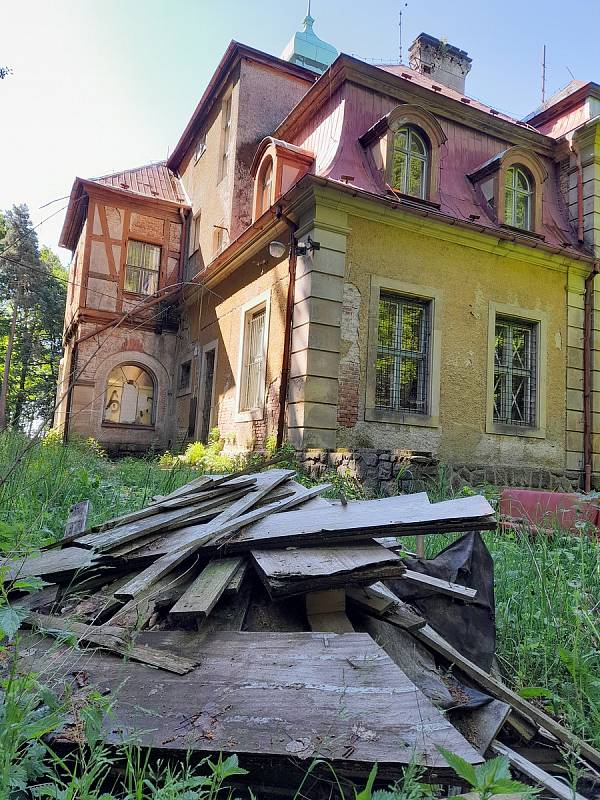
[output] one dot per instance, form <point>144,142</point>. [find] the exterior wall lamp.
<point>277,249</point>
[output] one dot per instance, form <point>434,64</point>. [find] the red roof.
<point>151,180</point>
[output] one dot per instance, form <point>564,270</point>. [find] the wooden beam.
<point>535,773</point>
<point>481,725</point>
<point>77,519</point>
<point>330,622</point>
<point>463,593</point>
<point>204,593</point>
<point>436,642</point>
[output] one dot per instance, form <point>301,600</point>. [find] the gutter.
<point>289,313</point>
<point>587,377</point>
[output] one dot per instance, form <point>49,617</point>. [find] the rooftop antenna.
<point>543,74</point>
<point>400,34</point>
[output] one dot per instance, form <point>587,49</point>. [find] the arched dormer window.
<point>265,187</point>
<point>405,148</point>
<point>130,396</point>
<point>518,197</point>
<point>410,162</point>
<point>510,188</point>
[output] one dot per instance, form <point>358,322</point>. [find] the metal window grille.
<point>515,372</point>
<point>142,268</point>
<point>254,357</point>
<point>403,343</point>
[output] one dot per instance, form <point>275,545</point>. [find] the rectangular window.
<point>225,136</point>
<point>218,239</point>
<point>195,233</point>
<point>515,372</point>
<point>142,267</point>
<point>253,364</point>
<point>185,376</point>
<point>402,364</point>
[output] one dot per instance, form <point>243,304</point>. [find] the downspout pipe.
<point>588,310</point>
<point>289,313</point>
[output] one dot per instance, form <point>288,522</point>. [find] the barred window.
<point>142,267</point>
<point>515,372</point>
<point>403,342</point>
<point>253,365</point>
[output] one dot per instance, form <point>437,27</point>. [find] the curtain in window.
<point>142,268</point>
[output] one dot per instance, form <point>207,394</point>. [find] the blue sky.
<point>101,85</point>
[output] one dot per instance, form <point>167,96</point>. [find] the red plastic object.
<point>546,512</point>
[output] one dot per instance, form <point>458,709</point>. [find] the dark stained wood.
<point>480,726</point>
<point>297,571</point>
<point>286,696</point>
<point>203,594</point>
<point>365,519</point>
<point>77,518</point>
<point>235,584</point>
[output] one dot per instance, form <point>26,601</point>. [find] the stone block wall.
<point>390,471</point>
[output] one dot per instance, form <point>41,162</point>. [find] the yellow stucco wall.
<point>468,280</point>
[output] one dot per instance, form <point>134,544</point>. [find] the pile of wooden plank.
<point>247,592</point>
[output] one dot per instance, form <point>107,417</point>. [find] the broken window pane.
<point>129,396</point>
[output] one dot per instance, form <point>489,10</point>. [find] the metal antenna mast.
<point>544,74</point>
<point>400,34</point>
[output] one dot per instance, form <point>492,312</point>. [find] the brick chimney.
<point>440,61</point>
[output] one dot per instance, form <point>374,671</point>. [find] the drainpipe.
<point>587,377</point>
<point>289,312</point>
<point>184,243</point>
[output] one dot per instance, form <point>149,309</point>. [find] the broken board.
<point>277,696</point>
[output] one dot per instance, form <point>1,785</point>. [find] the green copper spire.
<point>306,49</point>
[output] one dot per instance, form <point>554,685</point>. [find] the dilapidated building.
<point>362,260</point>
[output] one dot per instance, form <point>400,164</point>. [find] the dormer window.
<point>518,197</point>
<point>265,190</point>
<point>405,149</point>
<point>410,162</point>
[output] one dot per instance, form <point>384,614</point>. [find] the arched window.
<point>265,187</point>
<point>130,396</point>
<point>410,162</point>
<point>518,198</point>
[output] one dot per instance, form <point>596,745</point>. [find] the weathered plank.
<point>364,520</point>
<point>188,488</point>
<point>136,613</point>
<point>464,593</point>
<point>325,602</point>
<point>296,571</point>
<point>52,565</point>
<point>202,596</point>
<point>535,773</point>
<point>330,622</point>
<point>151,575</point>
<point>480,726</point>
<point>237,580</point>
<point>110,638</point>
<point>437,643</point>
<point>288,696</point>
<point>384,606</point>
<point>106,540</point>
<point>77,519</point>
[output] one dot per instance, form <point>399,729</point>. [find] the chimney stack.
<point>442,62</point>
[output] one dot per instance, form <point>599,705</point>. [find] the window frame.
<point>515,169</point>
<point>253,306</point>
<point>200,147</point>
<point>226,128</point>
<point>187,387</point>
<point>137,425</point>
<point>426,294</point>
<point>194,243</point>
<point>419,133</point>
<point>128,266</point>
<point>537,319</point>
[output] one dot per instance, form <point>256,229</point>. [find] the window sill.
<point>516,430</point>
<point>401,418</point>
<point>250,416</point>
<point>130,426</point>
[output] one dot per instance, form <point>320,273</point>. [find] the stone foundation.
<point>390,471</point>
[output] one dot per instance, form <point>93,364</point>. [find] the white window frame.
<point>262,301</point>
<point>200,147</point>
<point>213,345</point>
<point>381,285</point>
<point>195,233</point>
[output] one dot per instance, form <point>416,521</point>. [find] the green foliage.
<point>194,453</point>
<point>488,779</point>
<point>34,281</point>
